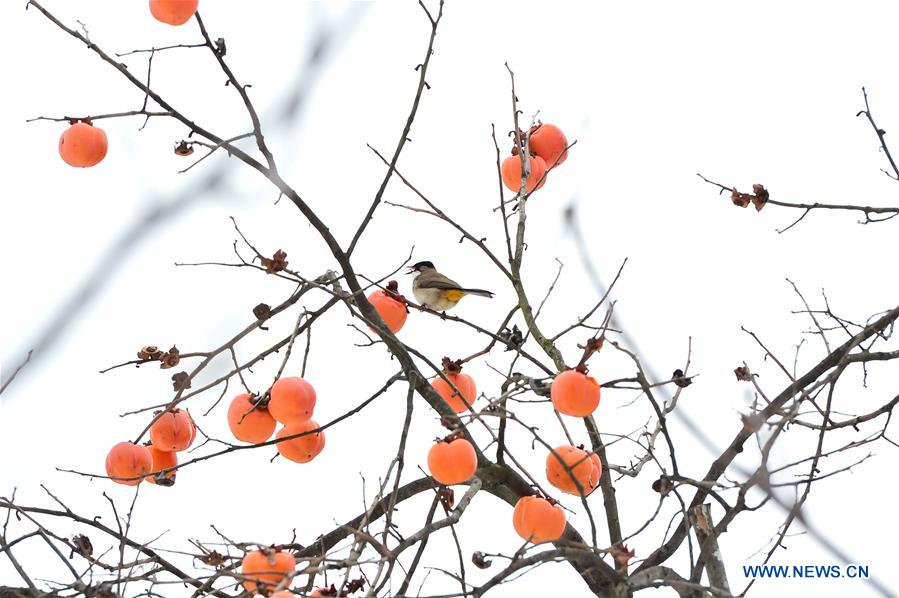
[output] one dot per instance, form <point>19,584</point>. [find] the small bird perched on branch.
<point>436,291</point>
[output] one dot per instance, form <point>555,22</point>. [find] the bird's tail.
<point>478,292</point>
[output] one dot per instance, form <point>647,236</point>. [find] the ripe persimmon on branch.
<point>489,427</point>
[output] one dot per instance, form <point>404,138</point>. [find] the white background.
<point>652,93</point>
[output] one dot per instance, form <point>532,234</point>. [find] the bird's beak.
<point>411,271</point>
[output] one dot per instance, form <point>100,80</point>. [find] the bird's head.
<point>420,267</point>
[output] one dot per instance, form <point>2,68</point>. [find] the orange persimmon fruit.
<point>173,431</point>
<point>574,393</point>
<point>293,400</point>
<point>303,448</point>
<point>452,462</point>
<point>549,142</point>
<point>162,460</point>
<point>466,386</point>
<point>266,568</point>
<point>83,145</point>
<point>538,520</point>
<point>128,460</point>
<point>585,468</point>
<point>249,422</point>
<point>392,310</point>
<point>511,172</point>
<point>173,12</point>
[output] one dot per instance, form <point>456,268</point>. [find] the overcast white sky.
<point>653,92</point>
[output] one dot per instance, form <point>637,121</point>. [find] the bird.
<point>436,291</point>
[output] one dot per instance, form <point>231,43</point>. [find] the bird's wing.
<point>438,281</point>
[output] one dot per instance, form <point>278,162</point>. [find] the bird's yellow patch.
<point>453,295</point>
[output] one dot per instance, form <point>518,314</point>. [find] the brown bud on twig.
<point>263,311</point>
<point>276,263</point>
<point>742,373</point>
<point>183,149</point>
<point>622,555</point>
<point>480,561</point>
<point>84,546</point>
<point>213,559</point>
<point>180,381</point>
<point>170,358</point>
<point>662,485</point>
<point>447,497</point>
<point>680,380</point>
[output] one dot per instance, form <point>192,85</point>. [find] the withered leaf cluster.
<point>276,263</point>
<point>758,197</point>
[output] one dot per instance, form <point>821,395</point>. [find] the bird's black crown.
<point>421,265</point>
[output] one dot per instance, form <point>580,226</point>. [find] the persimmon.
<point>293,400</point>
<point>585,468</point>
<point>511,171</point>
<point>549,142</point>
<point>250,422</point>
<point>83,145</point>
<point>538,520</point>
<point>391,306</point>
<point>162,460</point>
<point>128,460</point>
<point>303,448</point>
<point>574,393</point>
<point>463,382</point>
<point>173,12</point>
<point>173,431</point>
<point>452,461</point>
<point>266,568</point>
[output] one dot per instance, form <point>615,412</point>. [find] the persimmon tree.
<point>479,453</point>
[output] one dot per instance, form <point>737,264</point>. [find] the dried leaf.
<point>276,263</point>
<point>760,197</point>
<point>170,358</point>
<point>740,199</point>
<point>447,497</point>
<point>213,559</point>
<point>149,353</point>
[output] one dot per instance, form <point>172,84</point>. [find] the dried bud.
<point>593,345</point>
<point>354,586</point>
<point>276,263</point>
<point>170,358</point>
<point>149,353</point>
<point>447,497</point>
<point>451,367</point>
<point>742,373</point>
<point>513,338</point>
<point>263,311</point>
<point>180,381</point>
<point>680,380</point>
<point>480,561</point>
<point>183,149</point>
<point>622,555</point>
<point>213,559</point>
<point>662,485</point>
<point>84,546</point>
